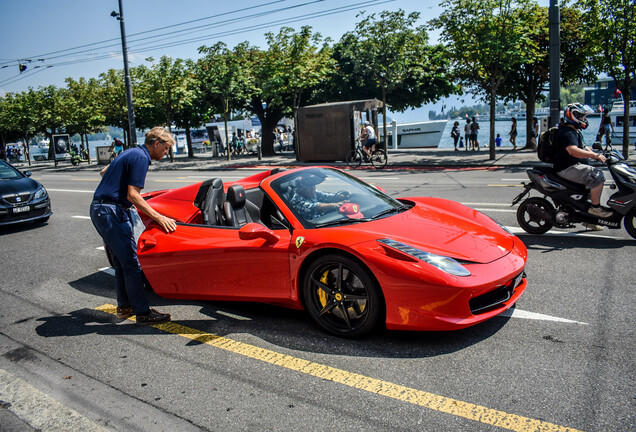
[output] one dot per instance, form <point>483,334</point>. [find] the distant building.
<point>603,93</point>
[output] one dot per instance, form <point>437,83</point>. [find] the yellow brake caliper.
<point>322,295</point>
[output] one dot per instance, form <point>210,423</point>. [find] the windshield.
<point>7,172</point>
<point>323,197</point>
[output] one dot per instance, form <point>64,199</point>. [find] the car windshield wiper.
<point>391,210</point>
<point>342,222</point>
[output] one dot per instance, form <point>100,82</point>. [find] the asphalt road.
<point>563,360</point>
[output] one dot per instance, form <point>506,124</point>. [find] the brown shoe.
<point>153,317</point>
<point>123,313</point>
<point>600,212</point>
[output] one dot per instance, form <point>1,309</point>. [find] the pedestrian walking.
<point>513,133</point>
<point>455,134</point>
<point>114,216</point>
<point>474,129</point>
<point>535,132</point>
<point>468,135</point>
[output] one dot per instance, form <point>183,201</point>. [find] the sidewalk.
<point>413,159</point>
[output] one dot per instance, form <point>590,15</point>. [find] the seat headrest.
<point>236,196</point>
<point>215,183</point>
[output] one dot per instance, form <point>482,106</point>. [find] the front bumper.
<point>37,210</point>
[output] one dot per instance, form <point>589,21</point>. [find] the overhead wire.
<point>139,48</point>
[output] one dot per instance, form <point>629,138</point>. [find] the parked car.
<point>22,199</point>
<point>369,260</point>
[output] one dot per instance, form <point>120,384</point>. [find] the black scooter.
<point>571,200</point>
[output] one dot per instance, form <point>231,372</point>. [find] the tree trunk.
<point>27,151</point>
<point>626,99</point>
<point>189,141</point>
<point>529,117</point>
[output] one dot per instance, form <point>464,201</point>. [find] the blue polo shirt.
<point>129,168</point>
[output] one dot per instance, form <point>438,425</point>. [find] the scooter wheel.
<point>630,222</point>
<point>528,215</point>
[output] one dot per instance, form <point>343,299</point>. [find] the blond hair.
<point>158,133</point>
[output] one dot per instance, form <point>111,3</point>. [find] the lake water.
<point>502,127</point>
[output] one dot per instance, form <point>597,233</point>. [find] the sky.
<point>56,39</point>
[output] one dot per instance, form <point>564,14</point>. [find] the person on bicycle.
<point>368,139</point>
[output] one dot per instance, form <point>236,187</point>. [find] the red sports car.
<point>322,240</point>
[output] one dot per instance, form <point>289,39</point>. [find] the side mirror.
<point>597,146</point>
<point>27,173</point>
<point>253,231</point>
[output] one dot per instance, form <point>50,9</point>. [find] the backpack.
<point>545,148</point>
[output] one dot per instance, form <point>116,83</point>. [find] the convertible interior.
<point>236,207</point>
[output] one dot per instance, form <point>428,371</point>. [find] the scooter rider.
<point>570,161</point>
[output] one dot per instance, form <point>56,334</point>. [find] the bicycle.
<point>356,156</point>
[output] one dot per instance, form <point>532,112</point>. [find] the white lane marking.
<point>231,315</point>
<point>515,179</point>
<point>487,204</point>
<point>516,231</point>
<point>517,313</point>
<point>494,210</point>
<point>108,270</point>
<point>81,217</point>
<point>70,190</point>
<point>100,248</point>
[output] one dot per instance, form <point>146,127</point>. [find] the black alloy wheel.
<point>528,215</point>
<point>342,297</point>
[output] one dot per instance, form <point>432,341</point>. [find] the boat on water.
<point>426,134</point>
<point>617,115</point>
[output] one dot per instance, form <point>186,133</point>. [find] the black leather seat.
<point>210,199</point>
<point>237,210</point>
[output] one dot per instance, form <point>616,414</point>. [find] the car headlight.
<point>40,193</point>
<point>444,263</point>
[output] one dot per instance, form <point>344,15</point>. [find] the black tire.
<point>531,223</point>
<point>354,158</point>
<point>342,297</point>
<point>379,159</point>
<point>630,222</point>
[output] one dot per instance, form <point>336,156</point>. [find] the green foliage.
<point>610,27</point>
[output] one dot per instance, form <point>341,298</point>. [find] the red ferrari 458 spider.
<point>322,240</point>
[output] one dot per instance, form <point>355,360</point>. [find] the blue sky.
<point>51,33</point>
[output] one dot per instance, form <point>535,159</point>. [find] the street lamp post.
<point>555,66</point>
<point>132,130</point>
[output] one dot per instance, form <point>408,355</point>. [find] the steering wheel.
<point>345,194</point>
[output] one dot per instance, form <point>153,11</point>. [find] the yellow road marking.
<point>406,394</point>
<point>176,181</point>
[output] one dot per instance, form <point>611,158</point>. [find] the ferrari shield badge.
<point>299,241</point>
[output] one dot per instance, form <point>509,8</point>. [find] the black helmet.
<point>575,114</point>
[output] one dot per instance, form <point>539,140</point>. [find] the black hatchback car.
<point>22,199</point>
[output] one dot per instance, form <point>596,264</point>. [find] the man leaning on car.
<point>114,216</point>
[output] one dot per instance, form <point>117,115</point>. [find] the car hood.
<point>441,227</point>
<point>11,187</point>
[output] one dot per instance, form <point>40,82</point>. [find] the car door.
<point>206,262</point>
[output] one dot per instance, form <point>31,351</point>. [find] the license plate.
<point>21,209</point>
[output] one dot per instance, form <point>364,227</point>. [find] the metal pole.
<point>132,130</point>
<point>555,66</point>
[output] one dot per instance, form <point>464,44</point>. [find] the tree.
<point>83,113</point>
<point>165,90</point>
<point>225,79</point>
<point>300,64</point>
<point>112,99</point>
<point>49,104</point>
<point>530,80</point>
<point>387,57</point>
<point>485,39</point>
<point>610,26</point>
<point>191,114</point>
